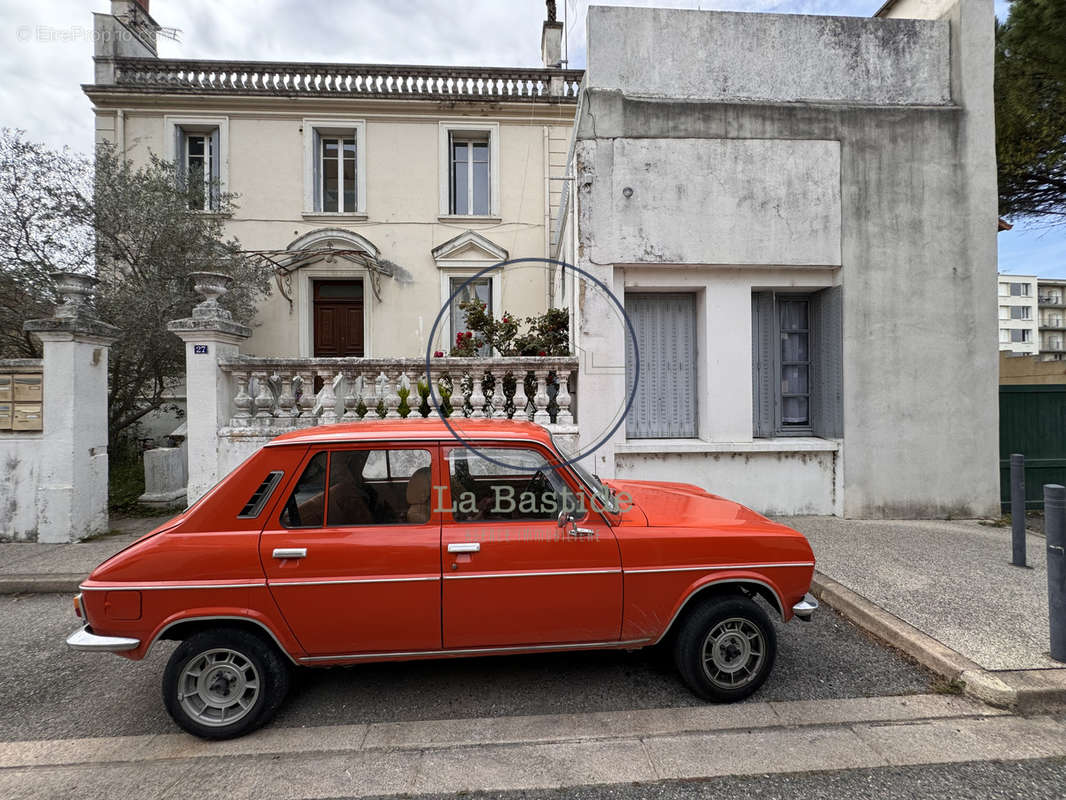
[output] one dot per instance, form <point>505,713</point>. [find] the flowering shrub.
<point>548,334</point>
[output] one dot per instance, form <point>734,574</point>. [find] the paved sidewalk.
<point>563,750</point>
<point>31,567</point>
<point>945,592</point>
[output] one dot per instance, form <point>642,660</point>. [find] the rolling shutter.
<point>763,363</point>
<point>665,403</point>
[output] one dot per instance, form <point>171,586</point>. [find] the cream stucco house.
<point>430,172</point>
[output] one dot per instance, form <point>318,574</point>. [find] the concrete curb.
<point>1019,690</point>
<point>40,584</point>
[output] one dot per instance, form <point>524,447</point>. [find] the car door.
<point>512,576</point>
<point>352,555</point>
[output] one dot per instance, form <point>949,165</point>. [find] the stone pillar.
<point>209,334</point>
<point>72,482</point>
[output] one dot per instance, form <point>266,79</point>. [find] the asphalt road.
<point>50,692</point>
<point>988,780</point>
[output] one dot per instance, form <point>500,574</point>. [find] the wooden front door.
<point>338,315</point>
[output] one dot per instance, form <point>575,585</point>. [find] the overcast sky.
<point>46,54</point>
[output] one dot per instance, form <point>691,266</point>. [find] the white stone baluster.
<point>307,399</point>
<point>499,399</point>
<point>540,399</point>
<point>520,399</point>
<point>326,398</point>
<point>264,401</point>
<point>562,399</point>
<point>370,395</point>
<point>392,399</point>
<point>477,396</point>
<point>286,399</point>
<point>242,401</point>
<point>351,398</point>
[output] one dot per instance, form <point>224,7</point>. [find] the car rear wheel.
<point>224,683</point>
<point>726,649</point>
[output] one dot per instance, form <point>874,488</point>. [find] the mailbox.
<point>5,416</point>
<point>28,389</point>
<point>5,389</point>
<point>27,417</point>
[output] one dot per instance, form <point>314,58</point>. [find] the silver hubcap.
<point>733,652</point>
<point>218,687</point>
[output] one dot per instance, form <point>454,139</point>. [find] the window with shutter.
<point>797,363</point>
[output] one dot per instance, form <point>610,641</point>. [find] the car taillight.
<point>77,606</point>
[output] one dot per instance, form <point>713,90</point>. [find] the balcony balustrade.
<point>279,392</point>
<point>378,81</point>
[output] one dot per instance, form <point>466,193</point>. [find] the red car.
<point>386,540</point>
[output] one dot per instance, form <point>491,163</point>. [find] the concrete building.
<point>1051,308</point>
<point>1018,317</point>
<point>759,188</point>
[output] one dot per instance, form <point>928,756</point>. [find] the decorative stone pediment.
<point>468,249</point>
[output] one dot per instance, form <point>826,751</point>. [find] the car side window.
<point>379,487</point>
<point>523,485</point>
<point>306,506</point>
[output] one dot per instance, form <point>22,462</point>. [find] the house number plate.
<point>200,349</point>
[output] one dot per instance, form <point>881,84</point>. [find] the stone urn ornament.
<point>211,285</point>
<point>75,289</point>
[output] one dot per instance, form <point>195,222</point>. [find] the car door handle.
<point>290,552</point>
<point>464,547</point>
<point>576,531</point>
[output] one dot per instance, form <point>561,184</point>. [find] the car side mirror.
<point>566,517</point>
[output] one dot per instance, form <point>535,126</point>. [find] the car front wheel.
<point>726,649</point>
<point>224,683</point>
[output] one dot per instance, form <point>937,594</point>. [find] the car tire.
<point>224,682</point>
<point>725,649</point>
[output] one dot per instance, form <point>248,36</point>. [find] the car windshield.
<point>604,494</point>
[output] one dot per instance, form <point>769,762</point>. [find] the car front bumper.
<point>805,607</point>
<point>85,639</point>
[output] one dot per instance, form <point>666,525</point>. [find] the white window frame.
<point>446,275</point>
<point>313,128</point>
<point>445,131</point>
<point>196,125</point>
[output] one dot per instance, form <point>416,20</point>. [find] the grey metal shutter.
<point>216,168</point>
<point>179,156</point>
<point>763,371</point>
<point>827,362</point>
<point>665,403</point>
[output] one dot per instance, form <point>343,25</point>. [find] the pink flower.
<point>468,334</point>
<point>438,354</point>
<point>542,353</point>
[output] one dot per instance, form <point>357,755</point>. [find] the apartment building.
<point>1051,302</point>
<point>1018,318</point>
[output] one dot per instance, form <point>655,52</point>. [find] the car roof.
<point>420,430</point>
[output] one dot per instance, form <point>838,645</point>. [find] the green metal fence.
<point>1032,421</point>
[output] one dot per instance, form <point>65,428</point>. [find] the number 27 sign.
<point>200,349</point>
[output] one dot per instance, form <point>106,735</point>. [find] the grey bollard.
<point>1055,530</point>
<point>1017,509</point>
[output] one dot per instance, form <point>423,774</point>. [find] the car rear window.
<point>255,503</point>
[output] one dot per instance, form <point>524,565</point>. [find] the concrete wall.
<point>917,209</point>
<point>1029,370</point>
<point>772,57</point>
<point>798,481</point>
<point>20,457</point>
